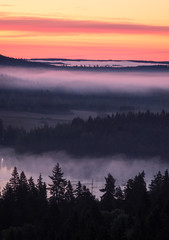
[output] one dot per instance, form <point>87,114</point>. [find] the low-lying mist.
<point>84,81</point>
<point>84,169</point>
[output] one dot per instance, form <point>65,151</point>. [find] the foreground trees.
<point>108,198</point>
<point>57,188</point>
<point>134,212</point>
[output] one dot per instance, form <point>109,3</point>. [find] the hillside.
<point>8,61</point>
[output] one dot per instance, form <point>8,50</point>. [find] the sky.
<point>90,29</point>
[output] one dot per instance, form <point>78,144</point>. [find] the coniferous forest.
<point>84,120</point>
<point>140,134</point>
<point>59,211</point>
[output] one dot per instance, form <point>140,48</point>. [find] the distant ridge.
<point>100,60</point>
<point>13,62</point>
<point>8,61</point>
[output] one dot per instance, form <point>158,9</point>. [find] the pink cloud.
<point>51,25</point>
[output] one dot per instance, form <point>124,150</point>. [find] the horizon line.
<point>85,59</point>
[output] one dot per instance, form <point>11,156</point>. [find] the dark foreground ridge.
<point>135,212</point>
<point>141,134</point>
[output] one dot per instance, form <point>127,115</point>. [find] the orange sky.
<point>126,29</point>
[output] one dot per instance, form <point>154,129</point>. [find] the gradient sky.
<point>93,29</point>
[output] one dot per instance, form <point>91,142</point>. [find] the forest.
<point>59,100</point>
<point>61,211</point>
<point>135,134</point>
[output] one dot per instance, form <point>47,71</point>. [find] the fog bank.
<point>83,80</point>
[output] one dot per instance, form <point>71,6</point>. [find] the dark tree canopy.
<point>133,213</point>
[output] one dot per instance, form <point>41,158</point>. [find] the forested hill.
<point>13,62</point>
<point>142,134</point>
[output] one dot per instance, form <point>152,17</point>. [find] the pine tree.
<point>136,196</point>
<point>23,181</point>
<point>14,180</point>
<point>155,188</point>
<point>78,190</point>
<point>39,183</point>
<point>57,188</point>
<point>108,198</point>
<point>69,193</point>
<point>156,184</point>
<point>23,188</point>
<point>31,186</point>
<point>41,187</point>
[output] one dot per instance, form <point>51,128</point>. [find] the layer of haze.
<point>96,63</point>
<point>84,81</point>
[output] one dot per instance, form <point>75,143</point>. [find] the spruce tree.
<point>78,190</point>
<point>69,193</point>
<point>14,180</point>
<point>41,187</point>
<point>108,198</point>
<point>57,188</point>
<point>31,186</point>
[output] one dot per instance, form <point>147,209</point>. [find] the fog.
<point>84,169</point>
<point>94,63</point>
<point>84,81</point>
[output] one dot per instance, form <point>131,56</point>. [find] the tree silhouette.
<point>57,188</point>
<point>155,187</point>
<point>23,183</point>
<point>78,190</point>
<point>136,195</point>
<point>31,184</point>
<point>69,192</point>
<point>108,198</point>
<point>41,187</point>
<point>14,180</point>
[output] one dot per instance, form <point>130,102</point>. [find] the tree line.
<point>15,96</point>
<point>58,211</point>
<point>141,134</point>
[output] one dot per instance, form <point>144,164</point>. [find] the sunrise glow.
<point>91,29</point>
